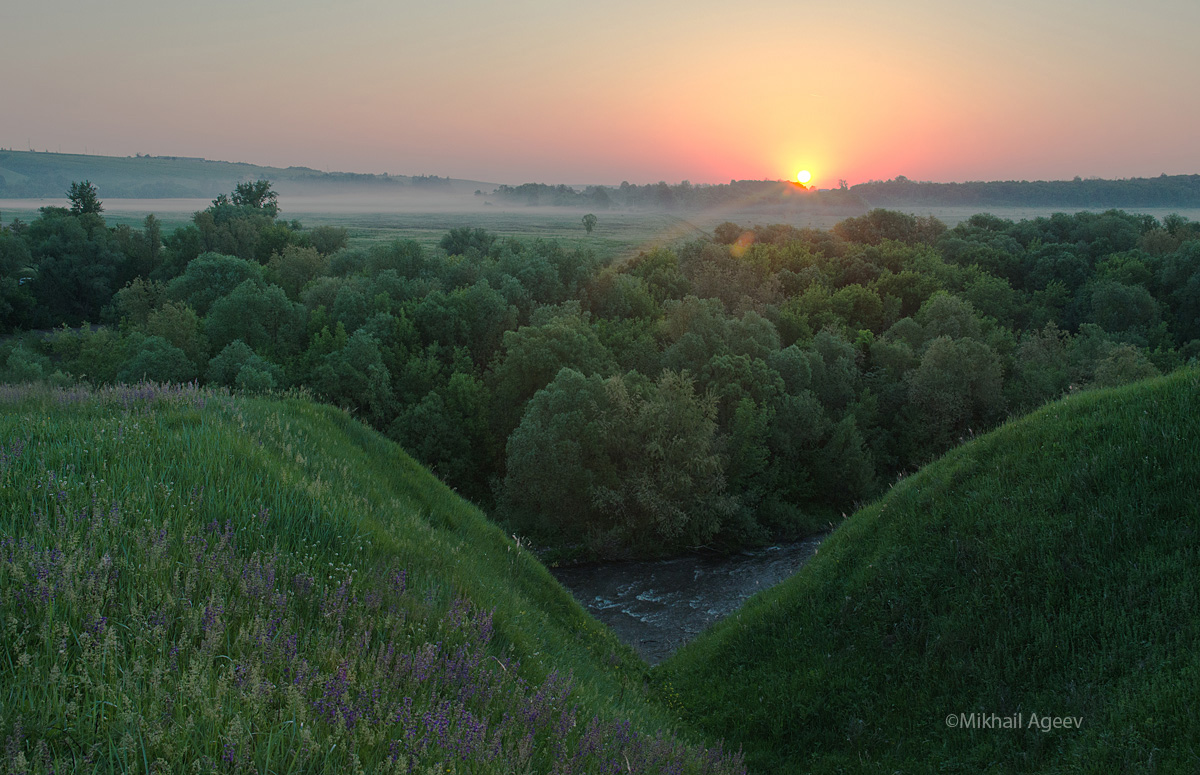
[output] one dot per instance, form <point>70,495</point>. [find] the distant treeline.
<point>736,195</point>
<point>1163,191</point>
<point>720,392</point>
<point>1182,191</point>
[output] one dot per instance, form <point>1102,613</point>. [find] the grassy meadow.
<point>1048,568</point>
<point>620,234</point>
<point>195,582</point>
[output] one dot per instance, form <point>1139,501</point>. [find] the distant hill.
<point>1163,191</point>
<point>29,174</point>
<point>191,580</point>
<point>1049,568</point>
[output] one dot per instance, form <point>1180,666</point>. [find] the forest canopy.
<point>721,392</point>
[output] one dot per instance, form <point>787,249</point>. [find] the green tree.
<point>84,199</point>
<point>464,240</point>
<point>659,268</point>
<point>356,377</point>
<point>328,239</point>
<point>589,222</point>
<point>78,267</point>
<point>956,390</point>
<point>670,491</point>
<point>227,367</point>
<point>1123,364</point>
<point>449,431</point>
<point>92,355</point>
<point>296,267</point>
<point>16,271</point>
<point>260,315</point>
<point>157,360</point>
<point>258,196</point>
<point>532,356</point>
<point>211,276</point>
<point>558,456</point>
<point>1040,370</point>
<point>179,324</point>
<point>947,315</point>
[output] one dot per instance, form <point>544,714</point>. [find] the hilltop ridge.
<point>26,174</point>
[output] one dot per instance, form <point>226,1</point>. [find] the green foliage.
<point>137,300</point>
<point>91,355</point>
<point>465,241</point>
<point>209,277</point>
<point>532,356</point>
<point>181,326</point>
<point>1048,568</point>
<point>475,317</point>
<point>354,376</point>
<point>879,225</point>
<point>257,195</point>
<point>77,267</point>
<point>157,360</point>
<point>947,315</point>
<point>296,267</point>
<point>659,269</point>
<point>1041,369</point>
<point>558,455</point>
<point>450,430</point>
<point>244,225</point>
<point>24,364</point>
<point>84,199</point>
<point>956,389</point>
<point>16,270</point>
<point>617,466</point>
<point>328,240</point>
<point>618,296</point>
<point>238,366</point>
<point>1120,308</point>
<point>1123,364</point>
<point>260,315</point>
<point>670,486</point>
<point>878,345</point>
<point>589,222</point>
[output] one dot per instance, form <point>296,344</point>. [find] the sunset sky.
<point>550,91</point>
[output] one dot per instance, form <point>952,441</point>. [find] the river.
<point>658,606</point>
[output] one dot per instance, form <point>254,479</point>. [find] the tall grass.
<point>1051,567</point>
<point>192,581</point>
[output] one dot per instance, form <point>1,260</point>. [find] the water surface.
<point>658,606</point>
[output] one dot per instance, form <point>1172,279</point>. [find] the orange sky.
<point>597,93</point>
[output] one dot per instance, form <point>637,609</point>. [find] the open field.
<point>619,234</point>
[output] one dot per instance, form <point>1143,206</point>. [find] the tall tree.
<point>84,199</point>
<point>257,195</point>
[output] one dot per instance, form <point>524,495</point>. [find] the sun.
<point>804,176</point>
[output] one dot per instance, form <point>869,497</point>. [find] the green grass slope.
<point>194,582</point>
<point>1051,567</point>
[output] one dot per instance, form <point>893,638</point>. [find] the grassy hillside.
<point>1051,567</point>
<point>190,581</point>
<point>37,174</point>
